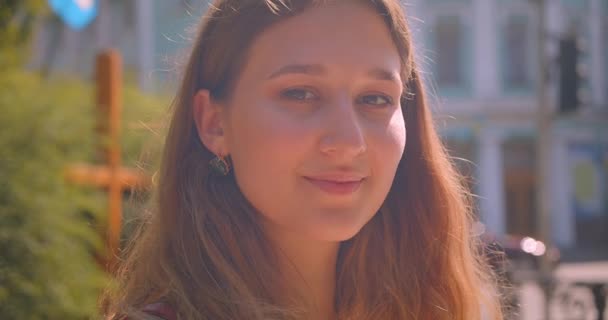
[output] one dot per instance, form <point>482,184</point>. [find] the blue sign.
<point>77,14</point>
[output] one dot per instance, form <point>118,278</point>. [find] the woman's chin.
<point>336,233</point>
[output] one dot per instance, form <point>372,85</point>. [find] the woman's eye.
<point>298,94</point>
<point>376,100</point>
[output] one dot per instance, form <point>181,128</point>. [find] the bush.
<point>48,233</point>
<point>17,18</point>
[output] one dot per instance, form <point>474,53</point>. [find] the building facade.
<point>481,58</point>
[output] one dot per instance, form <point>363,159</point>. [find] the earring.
<point>220,166</point>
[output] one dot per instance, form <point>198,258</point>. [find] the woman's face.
<point>314,126</point>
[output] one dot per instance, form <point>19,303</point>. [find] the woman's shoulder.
<point>155,311</point>
<point>160,311</point>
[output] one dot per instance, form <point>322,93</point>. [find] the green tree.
<point>47,269</point>
<point>49,228</point>
<point>17,19</point>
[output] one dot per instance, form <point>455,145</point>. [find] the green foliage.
<point>142,128</point>
<point>142,137</point>
<point>49,228</point>
<point>17,18</point>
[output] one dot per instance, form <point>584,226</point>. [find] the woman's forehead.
<point>344,34</point>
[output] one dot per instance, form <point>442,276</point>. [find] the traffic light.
<point>572,75</point>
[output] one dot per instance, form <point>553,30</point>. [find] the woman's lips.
<point>336,187</point>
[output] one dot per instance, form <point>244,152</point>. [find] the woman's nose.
<point>343,135</point>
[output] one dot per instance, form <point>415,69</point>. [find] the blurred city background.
<point>519,90</point>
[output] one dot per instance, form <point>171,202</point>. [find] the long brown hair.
<point>203,250</point>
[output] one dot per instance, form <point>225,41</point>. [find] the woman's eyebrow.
<point>318,70</point>
<point>310,69</point>
<point>385,75</point>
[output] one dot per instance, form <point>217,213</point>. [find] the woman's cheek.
<point>388,136</point>
<point>397,132</point>
<point>269,135</point>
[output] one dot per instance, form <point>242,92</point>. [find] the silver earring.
<point>220,166</point>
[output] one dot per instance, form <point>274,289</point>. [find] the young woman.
<point>287,188</point>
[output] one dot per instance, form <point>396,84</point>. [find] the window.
<point>449,56</point>
<point>588,166</point>
<point>605,31</point>
<point>463,153</point>
<point>574,4</point>
<point>449,44</point>
<point>450,48</point>
<point>517,53</point>
<point>519,166</point>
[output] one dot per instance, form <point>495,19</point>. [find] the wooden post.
<point>111,175</point>
<point>109,85</point>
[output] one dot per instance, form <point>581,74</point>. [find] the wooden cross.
<point>110,175</point>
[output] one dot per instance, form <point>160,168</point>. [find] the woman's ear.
<point>209,122</point>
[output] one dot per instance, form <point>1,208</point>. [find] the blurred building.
<point>152,36</point>
<point>480,59</point>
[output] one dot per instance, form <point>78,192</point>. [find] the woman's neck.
<point>309,270</point>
